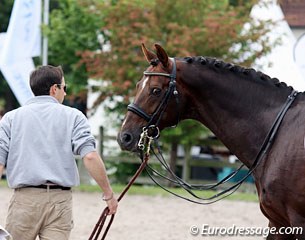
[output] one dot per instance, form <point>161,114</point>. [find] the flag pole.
<point>45,39</point>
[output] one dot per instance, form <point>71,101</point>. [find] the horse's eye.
<point>156,91</point>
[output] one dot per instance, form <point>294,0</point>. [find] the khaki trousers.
<point>46,213</point>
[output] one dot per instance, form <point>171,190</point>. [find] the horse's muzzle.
<point>127,141</point>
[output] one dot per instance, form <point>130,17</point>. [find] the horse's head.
<point>156,102</point>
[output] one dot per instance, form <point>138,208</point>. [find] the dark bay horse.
<point>239,106</point>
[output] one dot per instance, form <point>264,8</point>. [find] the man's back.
<point>43,138</point>
<point>37,145</point>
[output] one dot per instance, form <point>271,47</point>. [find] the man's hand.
<point>112,205</point>
<point>95,166</point>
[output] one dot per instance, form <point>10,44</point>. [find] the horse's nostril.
<point>127,138</point>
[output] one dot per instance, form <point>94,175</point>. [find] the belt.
<point>47,186</point>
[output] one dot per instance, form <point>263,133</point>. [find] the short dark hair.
<point>44,77</point>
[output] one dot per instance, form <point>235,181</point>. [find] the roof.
<point>294,12</point>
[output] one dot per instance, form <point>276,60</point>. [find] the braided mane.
<point>255,75</point>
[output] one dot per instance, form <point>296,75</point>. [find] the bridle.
<point>152,130</point>
<point>154,119</point>
<point>189,188</point>
<point>145,145</point>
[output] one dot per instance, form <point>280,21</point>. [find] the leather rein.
<point>101,222</point>
<point>144,145</point>
<point>153,131</point>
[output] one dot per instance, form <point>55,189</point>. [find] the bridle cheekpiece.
<point>152,129</point>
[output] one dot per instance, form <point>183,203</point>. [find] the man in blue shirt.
<point>38,142</point>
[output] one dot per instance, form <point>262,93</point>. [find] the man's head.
<point>48,80</point>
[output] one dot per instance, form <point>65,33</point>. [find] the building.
<point>281,62</point>
<point>294,15</point>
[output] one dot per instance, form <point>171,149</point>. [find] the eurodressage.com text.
<point>206,230</point>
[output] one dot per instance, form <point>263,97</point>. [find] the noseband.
<point>152,120</point>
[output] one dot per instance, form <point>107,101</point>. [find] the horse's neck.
<point>238,111</point>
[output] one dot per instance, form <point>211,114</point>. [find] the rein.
<point>152,126</point>
<point>224,193</point>
<point>146,141</point>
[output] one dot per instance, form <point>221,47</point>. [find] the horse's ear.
<point>162,55</point>
<point>148,54</point>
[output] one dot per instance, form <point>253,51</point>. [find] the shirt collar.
<point>42,99</point>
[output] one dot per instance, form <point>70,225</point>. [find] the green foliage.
<point>74,27</point>
<point>5,13</point>
<point>188,133</point>
<point>123,172</point>
<point>199,27</point>
<point>79,30</point>
<point>210,28</point>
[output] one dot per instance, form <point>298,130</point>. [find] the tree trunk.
<point>173,161</point>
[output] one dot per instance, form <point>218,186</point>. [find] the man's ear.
<point>52,90</point>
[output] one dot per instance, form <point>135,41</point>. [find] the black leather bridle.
<point>153,124</point>
<point>154,119</point>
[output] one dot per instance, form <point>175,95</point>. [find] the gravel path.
<point>158,218</point>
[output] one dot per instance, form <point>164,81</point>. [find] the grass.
<point>3,183</point>
<point>157,191</point>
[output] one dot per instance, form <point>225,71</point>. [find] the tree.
<point>200,27</point>
<point>74,27</point>
<point>210,28</point>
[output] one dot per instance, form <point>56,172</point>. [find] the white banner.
<point>3,233</point>
<point>22,42</point>
<point>17,76</point>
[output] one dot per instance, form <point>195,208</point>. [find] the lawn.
<point>157,191</point>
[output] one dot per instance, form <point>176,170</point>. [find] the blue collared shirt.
<point>39,140</point>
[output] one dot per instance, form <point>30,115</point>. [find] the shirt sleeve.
<point>5,136</point>
<point>82,140</point>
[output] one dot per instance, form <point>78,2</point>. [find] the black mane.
<point>216,63</point>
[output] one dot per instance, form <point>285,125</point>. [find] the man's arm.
<point>95,166</point>
<point>5,131</point>
<point>1,170</point>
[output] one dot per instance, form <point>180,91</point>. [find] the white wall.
<point>281,58</point>
<point>102,118</point>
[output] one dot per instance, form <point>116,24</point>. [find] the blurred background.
<point>98,45</point>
